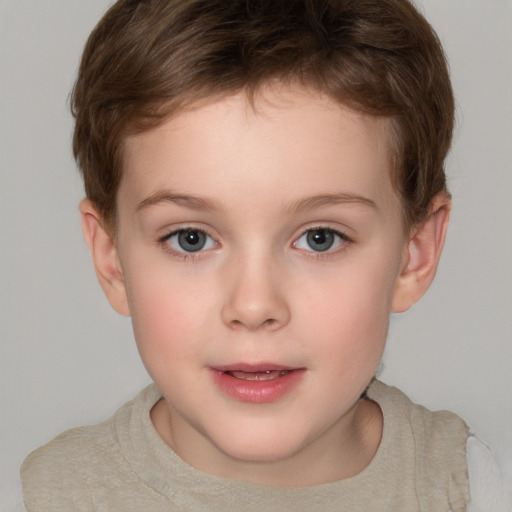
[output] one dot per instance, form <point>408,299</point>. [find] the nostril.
<point>269,323</point>
<point>236,324</point>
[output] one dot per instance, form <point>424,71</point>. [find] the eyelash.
<point>163,241</point>
<point>343,241</point>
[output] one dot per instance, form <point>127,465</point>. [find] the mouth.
<point>261,376</point>
<point>257,383</point>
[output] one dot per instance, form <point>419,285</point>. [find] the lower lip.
<point>257,391</point>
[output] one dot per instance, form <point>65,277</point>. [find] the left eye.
<point>190,240</point>
<point>320,240</point>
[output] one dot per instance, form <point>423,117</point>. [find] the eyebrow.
<point>310,203</point>
<point>188,201</point>
<point>200,203</point>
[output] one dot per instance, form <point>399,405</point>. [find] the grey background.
<point>66,359</point>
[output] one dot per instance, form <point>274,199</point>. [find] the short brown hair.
<point>148,58</point>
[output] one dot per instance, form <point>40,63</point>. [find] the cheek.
<point>169,315</point>
<point>350,311</point>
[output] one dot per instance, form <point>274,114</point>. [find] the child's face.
<point>260,251</point>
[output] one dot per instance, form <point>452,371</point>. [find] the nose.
<point>255,296</point>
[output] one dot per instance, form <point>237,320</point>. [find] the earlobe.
<point>422,255</point>
<point>104,256</point>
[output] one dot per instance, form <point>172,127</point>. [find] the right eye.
<point>189,240</point>
<point>321,240</point>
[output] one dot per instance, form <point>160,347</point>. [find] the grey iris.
<point>320,239</point>
<point>191,241</point>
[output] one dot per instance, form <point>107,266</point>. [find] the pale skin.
<point>262,186</point>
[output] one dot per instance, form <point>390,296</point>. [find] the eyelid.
<point>343,237</point>
<point>181,253</point>
<point>162,241</point>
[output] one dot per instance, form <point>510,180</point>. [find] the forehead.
<point>287,137</point>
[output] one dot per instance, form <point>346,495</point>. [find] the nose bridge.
<point>255,292</point>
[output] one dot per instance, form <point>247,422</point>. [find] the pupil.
<point>192,238</point>
<point>320,239</point>
<point>191,241</point>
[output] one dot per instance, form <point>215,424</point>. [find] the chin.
<point>262,448</point>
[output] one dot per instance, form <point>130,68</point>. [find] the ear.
<point>422,254</point>
<point>104,255</point>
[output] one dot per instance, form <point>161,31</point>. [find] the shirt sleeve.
<point>485,479</point>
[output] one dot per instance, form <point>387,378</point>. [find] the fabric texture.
<point>123,465</point>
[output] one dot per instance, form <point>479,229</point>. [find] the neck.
<point>347,449</point>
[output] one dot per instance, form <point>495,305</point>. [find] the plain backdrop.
<point>67,359</point>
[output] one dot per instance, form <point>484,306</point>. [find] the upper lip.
<point>253,368</point>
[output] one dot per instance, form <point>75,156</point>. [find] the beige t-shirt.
<point>122,464</point>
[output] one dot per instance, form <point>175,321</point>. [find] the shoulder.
<point>431,446</point>
<point>66,463</point>
<point>431,430</point>
<point>60,474</point>
<point>445,450</point>
<point>71,450</point>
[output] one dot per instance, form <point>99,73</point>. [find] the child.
<point>265,185</point>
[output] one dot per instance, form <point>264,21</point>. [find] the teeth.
<point>265,375</point>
